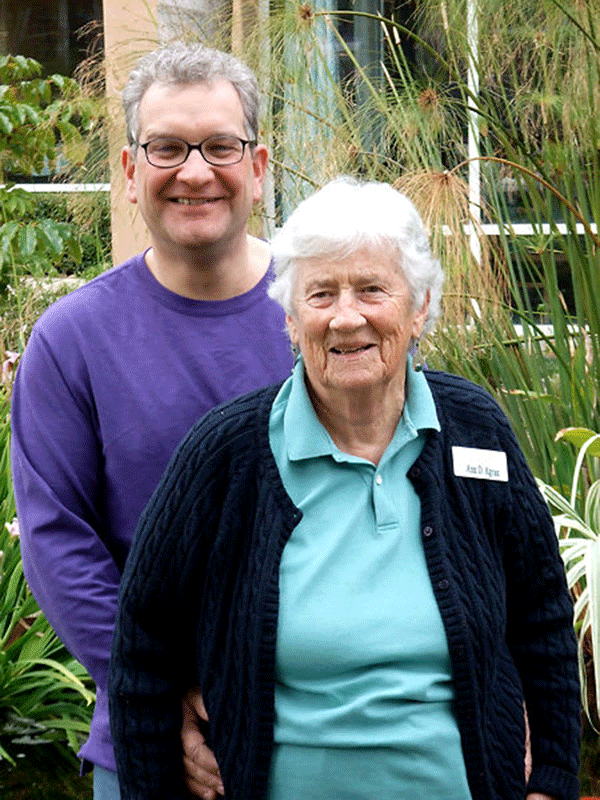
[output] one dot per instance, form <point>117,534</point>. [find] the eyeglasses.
<point>166,152</point>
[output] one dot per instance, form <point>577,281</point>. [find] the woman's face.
<point>354,321</point>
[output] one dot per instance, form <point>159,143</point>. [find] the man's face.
<point>195,205</point>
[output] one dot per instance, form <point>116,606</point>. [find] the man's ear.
<point>260,159</point>
<point>128,164</point>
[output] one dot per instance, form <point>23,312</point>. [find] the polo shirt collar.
<point>306,437</point>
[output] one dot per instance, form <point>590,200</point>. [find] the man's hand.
<point>537,796</point>
<point>202,775</point>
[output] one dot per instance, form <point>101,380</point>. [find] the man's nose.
<point>195,167</point>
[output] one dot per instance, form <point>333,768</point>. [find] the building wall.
<point>130,29</point>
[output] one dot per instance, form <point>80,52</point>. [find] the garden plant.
<point>45,127</point>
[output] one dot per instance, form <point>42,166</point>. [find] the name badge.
<point>486,465</point>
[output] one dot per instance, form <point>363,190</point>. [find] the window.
<point>51,31</point>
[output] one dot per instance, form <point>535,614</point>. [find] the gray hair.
<point>346,216</point>
<point>185,64</point>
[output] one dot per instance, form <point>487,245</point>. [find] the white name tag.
<point>487,465</point>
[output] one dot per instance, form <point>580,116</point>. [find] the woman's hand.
<point>202,775</point>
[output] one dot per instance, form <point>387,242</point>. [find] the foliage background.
<point>522,318</point>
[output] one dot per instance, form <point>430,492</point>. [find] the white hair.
<point>346,216</point>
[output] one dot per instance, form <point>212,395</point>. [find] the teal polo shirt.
<point>363,698</point>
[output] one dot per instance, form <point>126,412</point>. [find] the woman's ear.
<point>292,330</point>
<point>420,317</point>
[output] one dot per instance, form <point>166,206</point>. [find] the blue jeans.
<point>106,784</point>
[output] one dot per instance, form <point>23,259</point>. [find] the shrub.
<point>45,694</point>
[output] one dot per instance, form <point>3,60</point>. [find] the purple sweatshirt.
<point>113,376</point>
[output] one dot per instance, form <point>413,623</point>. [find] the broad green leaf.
<point>27,240</point>
<point>8,233</point>
<point>52,233</point>
<point>74,249</point>
<point>578,437</point>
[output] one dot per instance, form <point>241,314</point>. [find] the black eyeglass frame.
<point>198,147</point>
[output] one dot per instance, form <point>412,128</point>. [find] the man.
<point>116,372</point>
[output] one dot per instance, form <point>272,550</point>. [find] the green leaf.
<point>593,587</point>
<point>592,506</point>
<point>30,114</point>
<point>578,437</point>
<point>73,248</point>
<point>59,80</point>
<point>52,232</point>
<point>74,147</point>
<point>6,125</point>
<point>6,756</point>
<point>45,92</point>
<point>27,240</point>
<point>9,231</point>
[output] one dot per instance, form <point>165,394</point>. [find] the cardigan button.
<point>427,531</point>
<point>443,584</point>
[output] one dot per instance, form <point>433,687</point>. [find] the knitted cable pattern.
<point>199,604</point>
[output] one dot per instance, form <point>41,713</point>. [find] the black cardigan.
<point>199,604</point>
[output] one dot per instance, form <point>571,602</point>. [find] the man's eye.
<point>222,148</point>
<point>166,147</point>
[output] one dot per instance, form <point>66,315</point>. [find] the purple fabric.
<point>112,378</point>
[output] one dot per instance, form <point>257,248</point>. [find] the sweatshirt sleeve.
<point>56,465</point>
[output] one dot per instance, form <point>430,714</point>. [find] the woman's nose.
<point>347,312</point>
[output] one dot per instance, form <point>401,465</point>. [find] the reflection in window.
<point>50,31</point>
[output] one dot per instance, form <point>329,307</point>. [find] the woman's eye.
<point>372,289</point>
<point>318,297</point>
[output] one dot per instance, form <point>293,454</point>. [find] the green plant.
<point>44,692</point>
<point>577,521</point>
<point>45,125</point>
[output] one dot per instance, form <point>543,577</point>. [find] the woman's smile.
<point>354,321</point>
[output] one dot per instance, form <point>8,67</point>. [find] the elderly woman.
<point>356,567</point>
